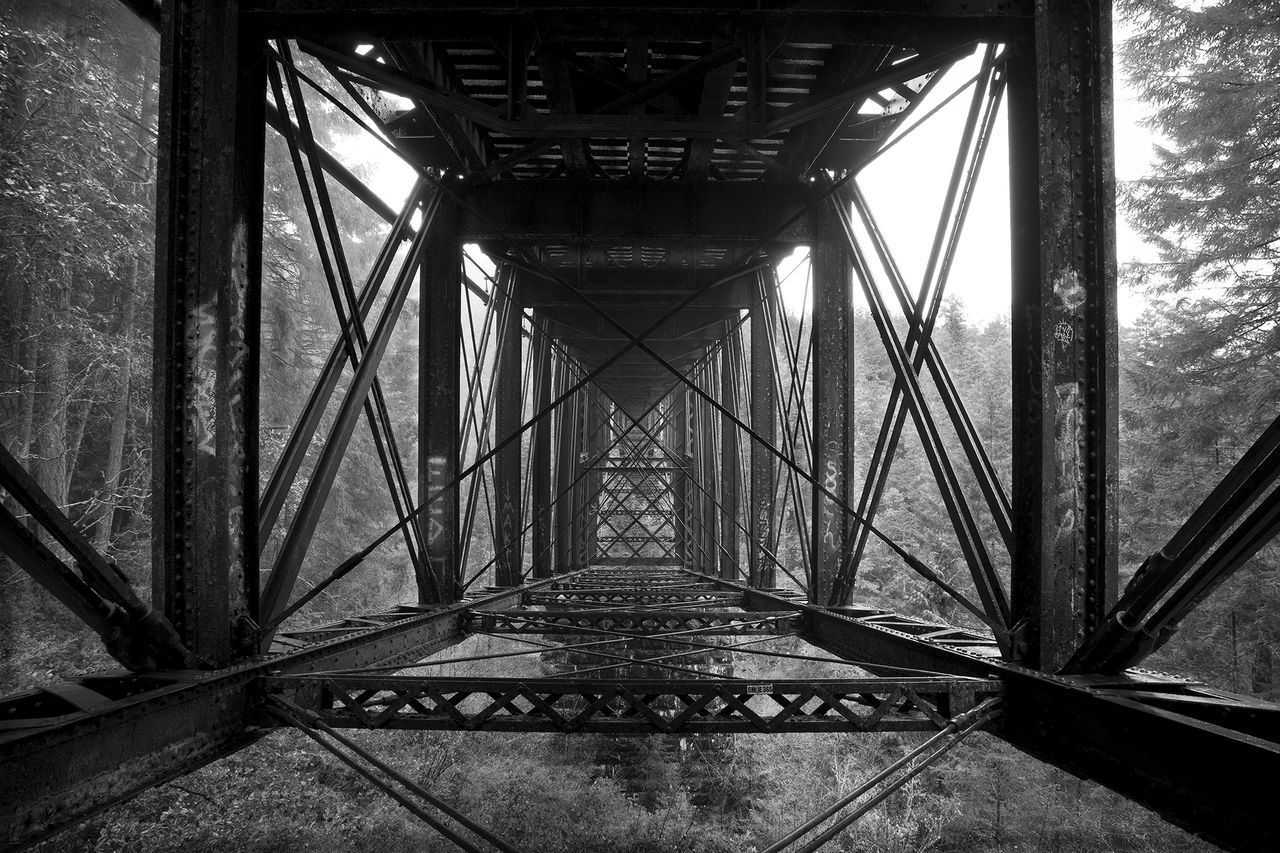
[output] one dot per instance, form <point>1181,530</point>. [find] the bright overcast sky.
<point>904,189</point>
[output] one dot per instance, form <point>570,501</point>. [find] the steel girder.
<point>1176,747</point>
<point>625,597</point>
<point>833,417</point>
<point>729,623</point>
<point>543,557</point>
<point>1149,737</point>
<point>208,271</point>
<point>1065,490</point>
<point>764,413</point>
<point>864,22</point>
<point>602,212</point>
<point>730,472</point>
<point>621,707</point>
<point>438,414</point>
<point>508,538</point>
<point>69,754</point>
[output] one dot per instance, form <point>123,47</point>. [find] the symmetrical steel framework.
<point>613,399</point>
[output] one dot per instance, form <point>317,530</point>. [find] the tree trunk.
<point>119,422</point>
<point>16,348</point>
<point>52,381</point>
<point>142,165</point>
<point>77,419</point>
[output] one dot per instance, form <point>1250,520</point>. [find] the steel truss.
<point>642,454</point>
<point>669,706</point>
<point>725,622</point>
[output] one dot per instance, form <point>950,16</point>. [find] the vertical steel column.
<point>729,470</point>
<point>593,444</point>
<point>694,497</point>
<point>578,504</point>
<point>832,406</point>
<point>208,277</point>
<point>764,404</point>
<point>507,417</point>
<point>439,331</point>
<point>566,465</point>
<point>705,441</point>
<point>679,443</point>
<point>540,352</point>
<point>1064,330</point>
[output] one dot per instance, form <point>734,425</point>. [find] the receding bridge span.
<point>636,416</point>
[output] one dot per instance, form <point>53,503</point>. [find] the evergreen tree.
<point>1202,368</point>
<point>1212,73</point>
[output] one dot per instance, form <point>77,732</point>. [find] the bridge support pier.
<point>541,495</point>
<point>832,342</point>
<point>678,441</point>
<point>764,405</point>
<point>208,277</point>
<point>1065,429</point>
<point>704,453</point>
<point>439,327</point>
<point>595,440</point>
<point>566,471</point>
<point>507,418</point>
<point>729,476</point>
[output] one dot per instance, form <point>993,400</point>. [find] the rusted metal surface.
<point>730,472</point>
<point>208,273</point>
<point>1065,413</point>
<point>508,417</point>
<point>1153,738</point>
<point>440,296</point>
<point>621,707</point>
<point>833,393</point>
<point>62,763</point>
<point>543,557</point>
<point>764,413</point>
<point>561,621</point>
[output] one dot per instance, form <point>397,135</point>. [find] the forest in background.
<point>1199,379</point>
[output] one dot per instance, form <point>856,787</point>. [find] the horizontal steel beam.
<point>637,622</point>
<point>880,22</point>
<point>615,597</point>
<point>61,761</point>
<point>633,706</point>
<point>1194,759</point>
<point>600,211</point>
<point>638,561</point>
<point>618,286</point>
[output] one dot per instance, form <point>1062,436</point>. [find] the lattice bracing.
<point>637,622</point>
<point>635,707</point>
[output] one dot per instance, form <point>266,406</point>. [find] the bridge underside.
<point>635,407</point>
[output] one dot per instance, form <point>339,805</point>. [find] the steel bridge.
<point>622,400</point>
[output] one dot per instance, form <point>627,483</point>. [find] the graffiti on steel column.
<point>1063,333</point>
<point>830,482</point>
<point>1069,508</point>
<point>762,532</point>
<point>437,468</point>
<point>210,351</point>
<point>204,401</point>
<point>1070,433</point>
<point>507,520</point>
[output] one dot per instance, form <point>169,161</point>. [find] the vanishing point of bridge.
<point>619,403</point>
